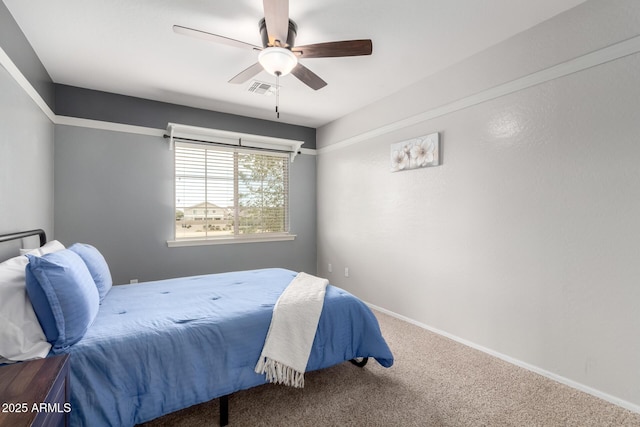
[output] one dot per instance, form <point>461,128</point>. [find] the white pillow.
<point>21,336</point>
<point>47,248</point>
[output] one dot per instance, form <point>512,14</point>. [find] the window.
<point>228,194</point>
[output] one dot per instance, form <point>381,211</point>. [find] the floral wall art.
<point>420,152</point>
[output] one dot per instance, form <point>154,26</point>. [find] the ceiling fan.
<point>278,54</point>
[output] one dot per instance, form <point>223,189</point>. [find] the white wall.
<point>525,241</point>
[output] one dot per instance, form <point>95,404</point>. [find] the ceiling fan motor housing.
<point>291,36</point>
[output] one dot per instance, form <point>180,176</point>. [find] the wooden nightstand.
<point>35,393</point>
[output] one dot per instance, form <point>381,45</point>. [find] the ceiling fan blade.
<point>308,77</point>
<point>246,74</point>
<point>213,37</point>
<point>276,16</point>
<point>335,49</point>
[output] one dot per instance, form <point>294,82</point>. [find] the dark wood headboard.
<point>22,234</point>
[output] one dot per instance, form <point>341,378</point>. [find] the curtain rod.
<point>179,138</point>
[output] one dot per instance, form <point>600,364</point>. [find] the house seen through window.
<point>229,192</point>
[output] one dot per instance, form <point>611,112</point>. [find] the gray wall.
<point>26,162</point>
<point>26,159</point>
<point>114,190</point>
<point>17,47</point>
<point>524,241</point>
<point>109,107</point>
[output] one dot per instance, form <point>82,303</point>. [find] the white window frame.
<point>236,142</point>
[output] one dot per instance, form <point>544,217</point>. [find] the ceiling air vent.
<point>261,88</point>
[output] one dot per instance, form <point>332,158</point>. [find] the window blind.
<point>229,192</point>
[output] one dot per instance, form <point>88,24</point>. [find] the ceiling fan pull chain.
<point>277,95</point>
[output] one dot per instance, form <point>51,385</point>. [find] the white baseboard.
<point>566,381</point>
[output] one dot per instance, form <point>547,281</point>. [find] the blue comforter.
<point>157,347</point>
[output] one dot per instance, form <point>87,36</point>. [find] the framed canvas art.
<point>420,152</point>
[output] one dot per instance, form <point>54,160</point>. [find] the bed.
<point>161,346</point>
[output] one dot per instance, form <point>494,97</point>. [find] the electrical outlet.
<point>330,268</point>
<point>346,272</point>
<point>133,281</point>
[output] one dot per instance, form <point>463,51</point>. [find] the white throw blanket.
<point>293,327</point>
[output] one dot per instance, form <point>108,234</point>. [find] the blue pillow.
<point>63,295</point>
<point>97,267</point>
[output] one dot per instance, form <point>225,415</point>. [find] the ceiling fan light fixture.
<point>277,60</point>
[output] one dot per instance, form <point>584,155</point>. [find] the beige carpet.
<point>434,382</point>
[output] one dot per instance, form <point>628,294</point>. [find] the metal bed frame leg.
<point>224,410</point>
<point>361,363</point>
<point>224,400</point>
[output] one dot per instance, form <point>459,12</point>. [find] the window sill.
<point>230,240</point>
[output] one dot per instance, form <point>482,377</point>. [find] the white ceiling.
<point>128,47</point>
